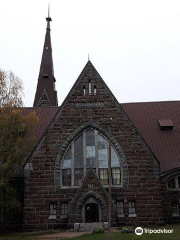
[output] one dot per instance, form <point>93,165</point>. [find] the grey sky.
<point>134,45</point>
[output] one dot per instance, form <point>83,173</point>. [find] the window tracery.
<point>89,150</point>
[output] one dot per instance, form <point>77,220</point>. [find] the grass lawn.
<point>105,236</point>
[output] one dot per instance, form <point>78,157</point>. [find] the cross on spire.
<point>48,19</point>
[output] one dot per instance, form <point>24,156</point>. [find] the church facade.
<point>67,175</point>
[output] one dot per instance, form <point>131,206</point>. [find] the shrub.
<point>98,230</point>
<point>127,230</point>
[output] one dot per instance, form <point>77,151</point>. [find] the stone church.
<point>67,177</point>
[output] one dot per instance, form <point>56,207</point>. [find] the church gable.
<point>89,91</point>
<point>44,100</point>
<point>90,105</point>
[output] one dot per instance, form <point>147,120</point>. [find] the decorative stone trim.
<point>89,104</point>
<point>171,174</point>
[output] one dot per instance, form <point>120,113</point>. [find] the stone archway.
<point>93,197</point>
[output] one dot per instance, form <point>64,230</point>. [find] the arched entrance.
<point>91,212</point>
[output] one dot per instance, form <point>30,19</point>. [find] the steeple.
<point>46,94</point>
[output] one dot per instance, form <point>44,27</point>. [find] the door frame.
<point>83,213</point>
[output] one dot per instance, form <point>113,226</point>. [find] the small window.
<point>132,209</point>
<point>64,210</point>
<point>172,183</point>
<point>103,175</point>
<point>175,209</point>
<point>45,76</point>
<point>52,208</point>
<point>84,91</point>
<point>90,185</point>
<point>46,48</point>
<point>120,207</point>
<point>44,98</point>
<point>116,176</point>
<point>89,87</point>
<point>94,90</point>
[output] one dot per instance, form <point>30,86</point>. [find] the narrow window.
<point>132,209</point>
<point>52,209</point>
<point>44,97</point>
<point>94,90</point>
<point>116,176</point>
<point>78,176</point>
<point>175,209</point>
<point>78,160</point>
<point>66,169</point>
<point>120,208</point>
<point>103,175</point>
<point>102,152</point>
<point>178,182</point>
<point>90,148</point>
<point>45,75</point>
<point>89,87</point>
<point>84,91</point>
<point>64,210</point>
<point>172,183</point>
<point>66,177</point>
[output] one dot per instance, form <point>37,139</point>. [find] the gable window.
<point>132,209</point>
<point>94,90</point>
<point>120,208</point>
<point>89,87</point>
<point>52,210</point>
<point>175,209</point>
<point>89,150</point>
<point>84,91</point>
<point>174,183</point>
<point>64,210</point>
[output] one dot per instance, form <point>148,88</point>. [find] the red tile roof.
<point>45,115</point>
<point>165,144</point>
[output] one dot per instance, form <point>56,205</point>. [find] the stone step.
<point>89,226</point>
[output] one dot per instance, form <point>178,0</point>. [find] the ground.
<point>88,236</point>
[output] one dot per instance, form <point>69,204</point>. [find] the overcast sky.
<point>134,45</point>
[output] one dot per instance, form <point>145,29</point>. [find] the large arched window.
<point>89,149</point>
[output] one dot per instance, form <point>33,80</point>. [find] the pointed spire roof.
<point>46,94</point>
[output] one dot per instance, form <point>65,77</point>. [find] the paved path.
<point>61,235</point>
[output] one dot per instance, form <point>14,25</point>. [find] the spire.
<point>48,19</point>
<point>46,94</point>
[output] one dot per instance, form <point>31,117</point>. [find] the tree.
<point>16,138</point>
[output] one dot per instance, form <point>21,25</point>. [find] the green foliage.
<point>16,139</point>
<point>98,230</point>
<point>127,230</point>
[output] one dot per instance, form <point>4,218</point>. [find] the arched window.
<point>174,182</point>
<point>89,149</point>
